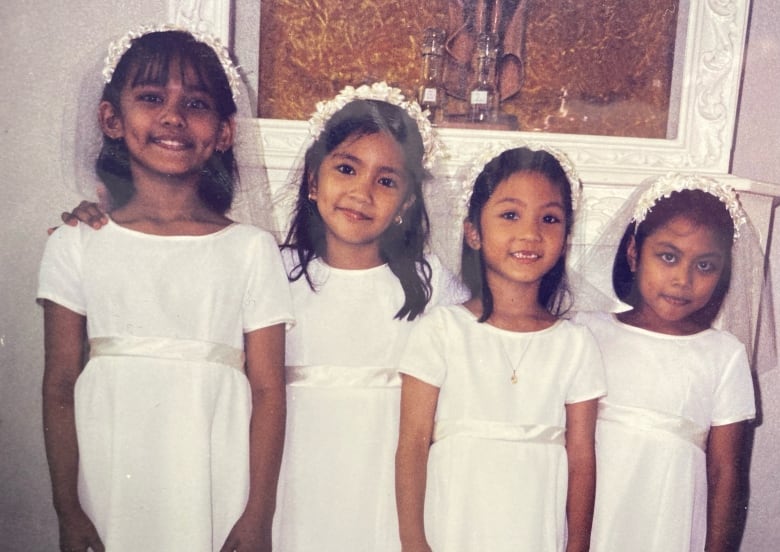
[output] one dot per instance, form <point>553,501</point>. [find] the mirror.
<point>593,67</point>
<point>704,86</point>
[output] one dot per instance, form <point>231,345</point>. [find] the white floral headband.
<point>665,185</point>
<point>383,92</point>
<point>497,148</point>
<point>119,48</point>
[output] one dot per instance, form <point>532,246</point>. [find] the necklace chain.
<point>515,365</point>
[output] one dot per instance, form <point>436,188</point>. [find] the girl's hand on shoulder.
<point>88,213</point>
<point>78,533</point>
<point>248,535</point>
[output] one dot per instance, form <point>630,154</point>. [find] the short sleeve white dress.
<point>664,394</point>
<point>163,405</point>
<point>497,468</point>
<point>336,491</point>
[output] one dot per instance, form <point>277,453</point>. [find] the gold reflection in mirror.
<point>601,67</point>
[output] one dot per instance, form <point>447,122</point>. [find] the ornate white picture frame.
<point>707,92</point>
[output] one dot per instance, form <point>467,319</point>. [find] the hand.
<point>248,535</point>
<point>88,213</point>
<point>418,547</point>
<point>78,534</point>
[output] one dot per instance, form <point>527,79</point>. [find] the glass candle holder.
<point>431,93</point>
<point>483,94</point>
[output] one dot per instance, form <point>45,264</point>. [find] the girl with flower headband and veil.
<point>670,430</point>
<point>360,279</point>
<point>170,437</point>
<point>499,394</point>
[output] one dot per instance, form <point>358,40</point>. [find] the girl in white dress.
<point>499,394</point>
<point>360,279</point>
<point>670,431</point>
<point>170,437</point>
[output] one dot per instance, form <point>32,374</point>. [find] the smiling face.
<point>170,128</point>
<point>522,231</point>
<point>677,271</point>
<point>360,189</point>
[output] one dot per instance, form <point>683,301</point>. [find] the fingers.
<point>231,545</point>
<point>78,534</point>
<point>86,212</point>
<point>96,545</point>
<point>68,219</point>
<point>92,545</point>
<point>92,540</point>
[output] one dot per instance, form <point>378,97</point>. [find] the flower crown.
<point>380,91</point>
<point>119,48</point>
<point>497,148</point>
<point>664,186</point>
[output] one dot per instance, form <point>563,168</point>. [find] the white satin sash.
<point>342,376</point>
<point>546,435</point>
<point>167,348</point>
<point>654,420</point>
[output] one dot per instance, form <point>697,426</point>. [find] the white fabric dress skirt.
<point>337,490</point>
<point>664,393</point>
<point>497,468</point>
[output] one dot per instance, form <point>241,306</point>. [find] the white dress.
<point>336,491</point>
<point>163,405</point>
<point>664,393</point>
<point>497,468</point>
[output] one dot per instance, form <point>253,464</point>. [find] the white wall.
<point>757,156</point>
<point>44,45</point>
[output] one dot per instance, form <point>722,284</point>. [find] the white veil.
<point>746,311</point>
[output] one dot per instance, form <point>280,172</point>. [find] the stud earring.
<point>399,220</point>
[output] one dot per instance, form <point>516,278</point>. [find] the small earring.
<point>399,220</point>
<point>311,196</point>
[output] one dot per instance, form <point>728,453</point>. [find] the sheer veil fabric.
<point>746,311</point>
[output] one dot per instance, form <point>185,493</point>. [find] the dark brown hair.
<point>150,60</point>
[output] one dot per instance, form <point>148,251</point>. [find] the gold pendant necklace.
<point>515,365</point>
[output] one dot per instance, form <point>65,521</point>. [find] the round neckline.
<point>642,331</point>
<point>350,271</point>
<point>131,231</point>
<point>490,326</point>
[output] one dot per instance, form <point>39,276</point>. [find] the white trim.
<point>206,15</point>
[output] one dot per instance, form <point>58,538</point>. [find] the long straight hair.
<point>553,290</point>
